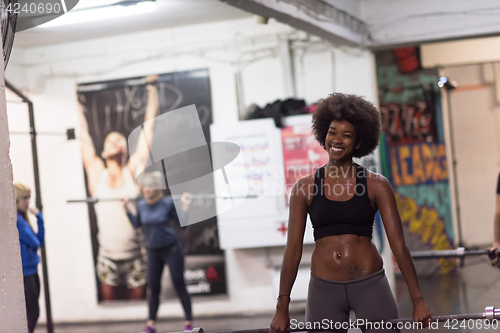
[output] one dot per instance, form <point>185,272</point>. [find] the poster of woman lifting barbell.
<point>108,112</point>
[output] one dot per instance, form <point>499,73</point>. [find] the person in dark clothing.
<point>154,213</point>
<point>342,199</point>
<point>30,241</point>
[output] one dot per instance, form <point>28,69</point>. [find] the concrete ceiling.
<point>169,14</point>
<point>366,23</point>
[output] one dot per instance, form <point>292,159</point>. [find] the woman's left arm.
<point>386,202</point>
<point>40,235</point>
<point>41,229</point>
<point>183,214</point>
<point>138,161</point>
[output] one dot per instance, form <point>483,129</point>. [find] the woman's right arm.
<point>293,254</point>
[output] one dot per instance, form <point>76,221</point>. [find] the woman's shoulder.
<point>167,200</point>
<point>376,180</point>
<point>141,202</point>
<point>307,180</point>
<point>304,187</point>
<point>21,221</point>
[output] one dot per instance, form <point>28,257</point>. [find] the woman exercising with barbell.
<point>342,199</point>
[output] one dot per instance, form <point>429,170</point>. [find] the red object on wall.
<point>407,58</point>
<point>211,274</point>
<point>283,229</point>
<point>302,155</point>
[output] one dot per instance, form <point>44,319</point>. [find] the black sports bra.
<point>354,216</point>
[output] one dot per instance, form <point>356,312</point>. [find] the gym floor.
<point>468,290</point>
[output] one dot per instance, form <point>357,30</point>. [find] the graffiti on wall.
<point>427,224</point>
<point>421,163</point>
<point>435,196</point>
<point>408,123</point>
<point>414,157</point>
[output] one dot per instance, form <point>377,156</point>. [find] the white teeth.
<point>336,149</point>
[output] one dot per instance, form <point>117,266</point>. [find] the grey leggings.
<point>370,297</point>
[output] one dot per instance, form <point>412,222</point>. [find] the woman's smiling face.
<point>341,140</point>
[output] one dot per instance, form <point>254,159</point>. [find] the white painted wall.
<point>49,76</point>
<point>460,52</point>
<point>319,71</point>
<point>268,73</point>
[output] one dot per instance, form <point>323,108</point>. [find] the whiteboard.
<point>261,221</point>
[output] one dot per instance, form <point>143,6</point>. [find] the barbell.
<point>460,252</point>
<point>490,313</point>
<point>193,196</point>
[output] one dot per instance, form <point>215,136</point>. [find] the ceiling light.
<point>444,82</point>
<point>103,12</point>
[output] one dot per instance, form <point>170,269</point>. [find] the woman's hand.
<point>125,204</point>
<point>185,200</point>
<point>495,256</point>
<point>152,78</point>
<point>421,312</point>
<point>33,210</point>
<point>280,321</point>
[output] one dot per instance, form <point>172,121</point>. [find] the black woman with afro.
<point>341,199</point>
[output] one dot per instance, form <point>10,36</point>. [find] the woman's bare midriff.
<point>345,257</point>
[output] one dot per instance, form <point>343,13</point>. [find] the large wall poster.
<point>414,158</point>
<point>109,111</point>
